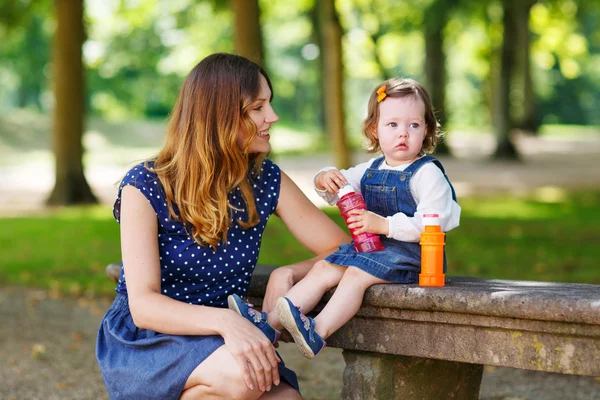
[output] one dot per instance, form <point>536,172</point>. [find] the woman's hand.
<point>253,352</point>
<point>331,180</point>
<point>362,221</point>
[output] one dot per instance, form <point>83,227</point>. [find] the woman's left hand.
<point>362,221</point>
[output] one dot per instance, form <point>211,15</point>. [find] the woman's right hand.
<point>331,180</point>
<point>253,352</point>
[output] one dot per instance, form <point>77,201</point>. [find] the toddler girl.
<point>398,187</point>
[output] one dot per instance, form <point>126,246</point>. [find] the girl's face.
<point>263,116</point>
<point>401,129</point>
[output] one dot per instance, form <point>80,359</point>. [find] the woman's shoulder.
<point>140,175</point>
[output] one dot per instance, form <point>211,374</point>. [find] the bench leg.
<point>384,376</point>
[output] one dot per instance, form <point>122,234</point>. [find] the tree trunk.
<point>436,17</point>
<point>71,186</point>
<point>248,35</point>
<point>528,119</point>
<point>333,80</point>
<point>501,115</point>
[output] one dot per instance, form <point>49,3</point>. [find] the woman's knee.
<point>218,377</point>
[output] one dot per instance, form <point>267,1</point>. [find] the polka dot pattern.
<point>196,274</point>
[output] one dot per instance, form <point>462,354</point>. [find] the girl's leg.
<point>345,302</point>
<point>308,291</point>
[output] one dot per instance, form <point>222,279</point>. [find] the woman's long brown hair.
<point>202,159</point>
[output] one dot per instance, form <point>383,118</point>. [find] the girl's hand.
<point>331,180</point>
<point>362,221</point>
<point>253,352</point>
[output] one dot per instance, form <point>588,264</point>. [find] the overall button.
<point>402,178</point>
<point>369,175</point>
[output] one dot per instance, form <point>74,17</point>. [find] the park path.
<point>547,163</point>
<point>47,353</point>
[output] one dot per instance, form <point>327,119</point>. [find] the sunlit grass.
<point>501,237</point>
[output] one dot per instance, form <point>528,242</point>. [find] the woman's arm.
<point>152,310</point>
<point>149,308</point>
<point>311,226</point>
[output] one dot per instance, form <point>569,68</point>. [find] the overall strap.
<point>377,162</point>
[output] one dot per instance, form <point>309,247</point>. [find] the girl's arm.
<point>353,175</point>
<point>152,310</point>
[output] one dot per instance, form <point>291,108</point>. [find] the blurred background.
<point>86,88</point>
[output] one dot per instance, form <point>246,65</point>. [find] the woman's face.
<point>263,116</point>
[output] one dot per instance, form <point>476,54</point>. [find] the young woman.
<point>191,227</point>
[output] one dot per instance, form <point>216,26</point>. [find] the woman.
<point>191,225</point>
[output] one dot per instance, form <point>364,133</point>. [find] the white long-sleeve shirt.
<point>429,188</point>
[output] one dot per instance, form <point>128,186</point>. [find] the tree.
<point>526,118</point>
<point>333,80</point>
<point>501,116</point>
<point>71,186</point>
<point>436,17</point>
<point>248,35</point>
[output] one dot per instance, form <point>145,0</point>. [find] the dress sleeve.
<point>270,186</point>
<point>146,181</point>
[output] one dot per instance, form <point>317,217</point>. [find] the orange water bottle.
<point>432,252</point>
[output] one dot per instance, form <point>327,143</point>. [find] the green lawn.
<point>554,238</point>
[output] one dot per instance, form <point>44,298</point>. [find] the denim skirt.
<point>143,364</point>
<point>398,262</point>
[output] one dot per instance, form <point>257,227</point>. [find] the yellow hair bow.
<point>381,94</point>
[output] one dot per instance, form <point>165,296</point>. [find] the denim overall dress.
<point>387,192</point>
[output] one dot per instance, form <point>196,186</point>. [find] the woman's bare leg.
<point>218,377</point>
<point>283,392</point>
<point>345,302</point>
<point>307,293</point>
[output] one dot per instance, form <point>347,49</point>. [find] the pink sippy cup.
<point>349,200</point>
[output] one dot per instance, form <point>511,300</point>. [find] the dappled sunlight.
<point>550,194</point>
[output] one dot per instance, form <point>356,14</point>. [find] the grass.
<point>546,237</point>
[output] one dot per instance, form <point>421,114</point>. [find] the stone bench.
<point>408,342</point>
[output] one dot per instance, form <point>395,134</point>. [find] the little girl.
<point>398,187</point>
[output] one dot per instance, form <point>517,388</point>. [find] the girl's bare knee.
<point>357,277</point>
<point>327,274</point>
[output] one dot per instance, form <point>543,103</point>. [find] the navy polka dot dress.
<point>196,274</point>
<point>190,273</point>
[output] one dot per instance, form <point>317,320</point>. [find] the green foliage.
<point>551,236</point>
<point>137,54</point>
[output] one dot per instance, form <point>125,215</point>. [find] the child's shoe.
<point>301,327</point>
<point>259,319</point>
